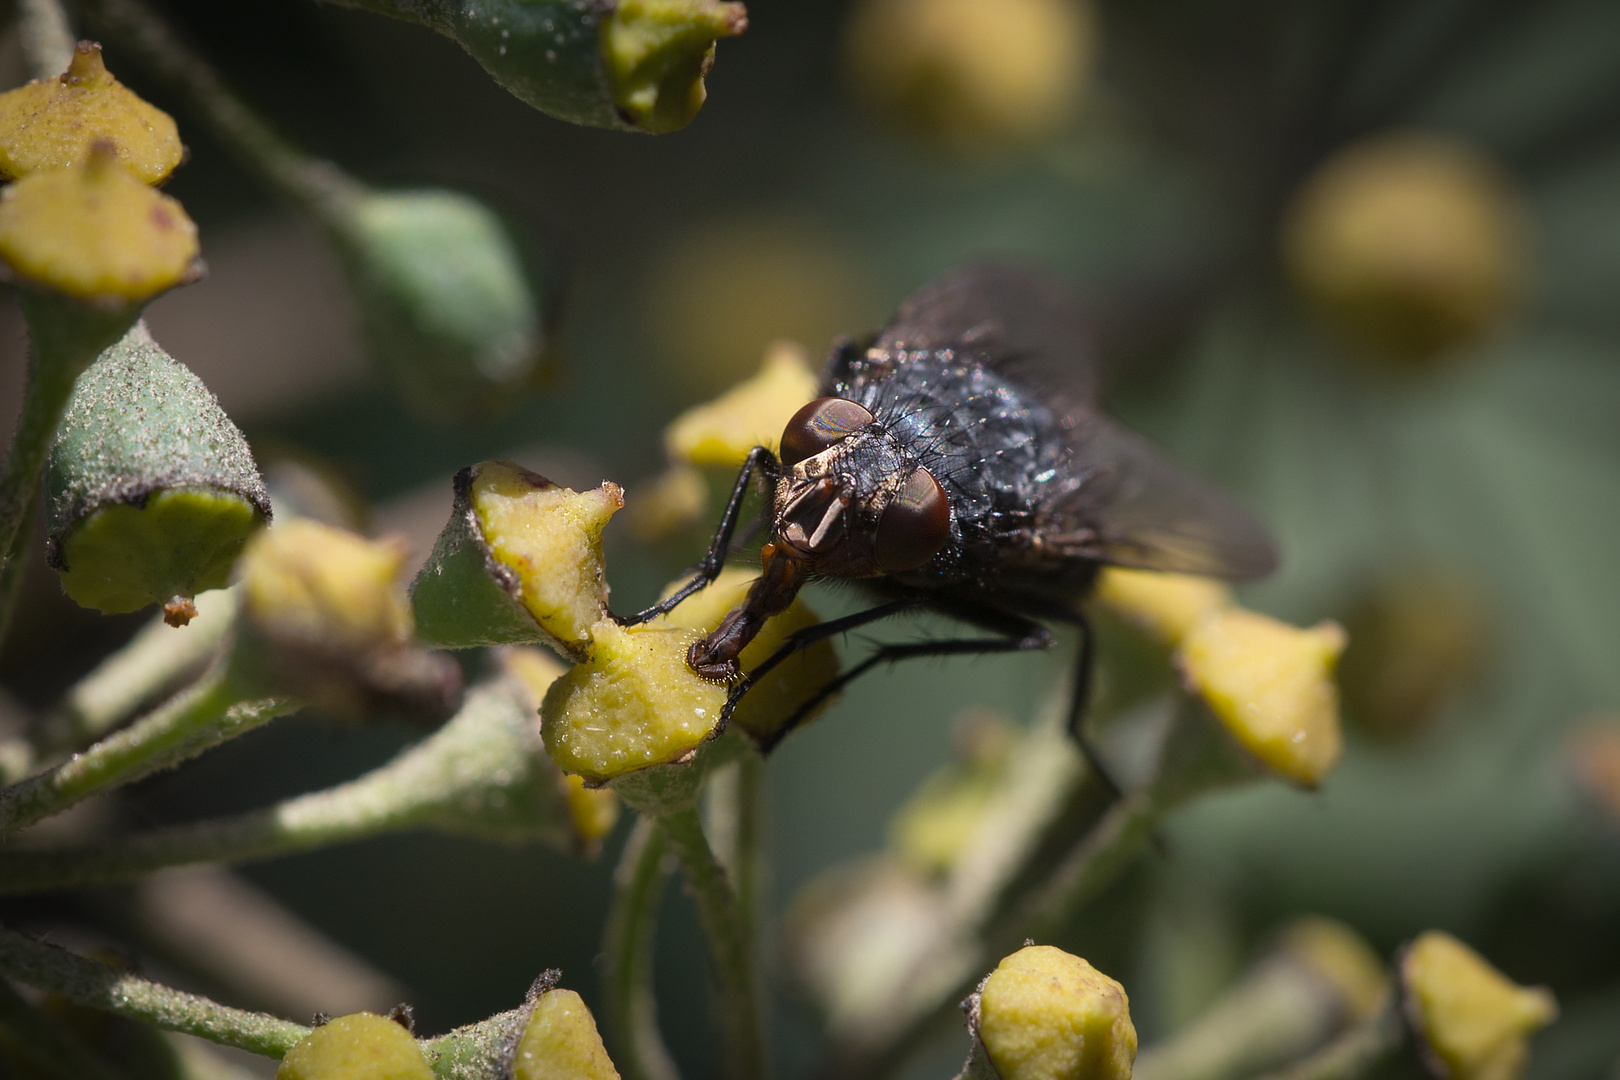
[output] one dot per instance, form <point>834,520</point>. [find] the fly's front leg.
<point>759,460</point>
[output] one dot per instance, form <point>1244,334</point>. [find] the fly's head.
<point>850,502</point>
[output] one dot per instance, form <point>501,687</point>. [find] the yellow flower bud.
<point>52,123</point>
<point>560,1042</point>
<point>675,499</point>
<point>360,1046</point>
<point>1271,684</point>
<point>310,582</point>
<point>1410,245</point>
<point>1045,1014</point>
<point>551,537</point>
<point>750,414</point>
<point>657,52</point>
<point>631,704</point>
<point>1474,1022</point>
<point>938,823</point>
<point>1166,606</point>
<point>972,72</point>
<point>776,696</point>
<point>1342,957</point>
<point>97,233</point>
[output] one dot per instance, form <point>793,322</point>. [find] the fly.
<point>957,462</point>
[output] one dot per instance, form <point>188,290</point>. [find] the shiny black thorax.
<point>995,448</point>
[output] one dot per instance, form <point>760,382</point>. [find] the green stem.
<point>195,720</point>
<point>40,1041</point>
<point>96,986</point>
<point>1359,1052</point>
<point>46,35</point>
<point>64,337</point>
<point>627,942</point>
<point>731,951</point>
<point>318,187</point>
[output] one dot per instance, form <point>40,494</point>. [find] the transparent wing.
<point>1017,320</point>
<point>1129,506</point>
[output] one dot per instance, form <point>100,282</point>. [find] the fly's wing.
<point>1017,321</point>
<point>1129,506</point>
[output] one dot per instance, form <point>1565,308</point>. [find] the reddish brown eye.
<point>818,425</point>
<point>915,525</point>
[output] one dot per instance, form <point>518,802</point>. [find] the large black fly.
<point>957,462</point>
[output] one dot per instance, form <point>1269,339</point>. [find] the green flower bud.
<point>1045,1014</point>
<point>637,65</point>
<point>360,1046</point>
<point>324,620</point>
<point>1411,246</point>
<point>561,1042</point>
<point>52,123</point>
<point>448,308</point>
<point>96,233</point>
<point>520,561</point>
<point>152,491</point>
<point>1472,1022</point>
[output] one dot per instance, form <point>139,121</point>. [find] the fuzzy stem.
<point>39,1041</point>
<point>46,35</point>
<point>64,337</point>
<point>96,986</point>
<point>627,942</point>
<point>195,720</point>
<point>1358,1052</point>
<point>731,951</point>
<point>318,187</point>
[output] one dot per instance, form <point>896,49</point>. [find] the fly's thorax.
<point>862,508</point>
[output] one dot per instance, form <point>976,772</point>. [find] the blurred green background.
<point>1458,511</point>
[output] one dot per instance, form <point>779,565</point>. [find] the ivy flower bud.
<point>750,414</point>
<point>53,123</point>
<point>1045,1014</point>
<point>633,703</point>
<point>560,1042</point>
<point>96,233</point>
<point>778,695</point>
<point>1410,245</point>
<point>1166,606</point>
<point>326,621</point>
<point>675,499</point>
<point>448,308</point>
<point>1473,1023</point>
<point>519,562</point>
<point>939,822</point>
<point>972,72</point>
<point>151,490</point>
<point>360,1046</point>
<point>1271,685</point>
<point>592,812</point>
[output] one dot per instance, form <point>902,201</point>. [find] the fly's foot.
<point>709,661</point>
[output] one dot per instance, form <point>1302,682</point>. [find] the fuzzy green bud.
<point>52,123</point>
<point>520,561</point>
<point>1045,1014</point>
<point>448,308</point>
<point>360,1046</point>
<point>151,490</point>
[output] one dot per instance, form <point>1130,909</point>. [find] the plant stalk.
<point>731,951</point>
<point>193,721</point>
<point>627,943</point>
<point>97,986</point>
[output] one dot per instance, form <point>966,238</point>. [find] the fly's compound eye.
<point>915,524</point>
<point>819,425</point>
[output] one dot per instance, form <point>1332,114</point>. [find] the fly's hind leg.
<point>1016,634</point>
